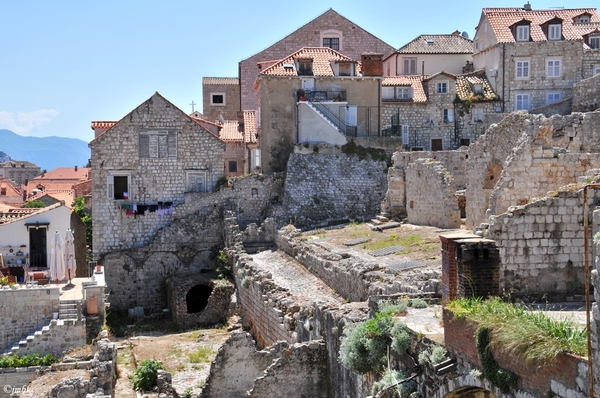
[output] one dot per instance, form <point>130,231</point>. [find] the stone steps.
<point>69,309</point>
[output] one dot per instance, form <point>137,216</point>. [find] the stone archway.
<point>197,298</point>
<point>470,392</point>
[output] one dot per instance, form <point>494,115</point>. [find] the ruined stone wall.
<point>454,161</point>
<point>327,188</point>
<point>563,107</point>
<point>431,195</point>
<point>541,247</point>
<point>395,198</point>
<point>586,95</point>
<point>22,311</point>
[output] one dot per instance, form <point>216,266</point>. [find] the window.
<point>465,142</point>
<point>345,69</point>
<point>478,114</point>
<point>553,68</point>
<point>118,186</point>
<point>2,191</point>
<point>522,102</point>
<point>217,99</point>
<point>196,181</point>
<point>410,66</point>
<point>437,144</point>
<point>396,93</point>
<point>584,19</point>
<point>478,88</point>
<point>305,67</point>
<point>255,158</point>
<point>448,115</point>
<point>442,87</point>
<point>405,131</point>
<point>523,33</point>
<point>233,166</point>
<point>522,69</point>
<point>553,97</point>
<point>594,41</point>
<point>158,144</point>
<point>554,32</point>
<point>596,71</point>
<point>332,42</point>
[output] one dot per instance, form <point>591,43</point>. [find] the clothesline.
<point>141,209</point>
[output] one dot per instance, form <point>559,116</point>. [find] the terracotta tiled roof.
<point>322,58</point>
<point>66,173</point>
<point>221,81</point>
<point>465,84</point>
<point>250,127</point>
<point>17,163</point>
<point>102,125</point>
<point>438,44</point>
<point>18,214</point>
<point>414,81</point>
<point>230,131</point>
<point>501,19</point>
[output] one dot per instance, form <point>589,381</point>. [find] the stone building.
<point>19,171</point>
<point>315,94</point>
<point>429,54</point>
<point>220,98</point>
<point>534,57</point>
<point>438,112</point>
<point>141,168</point>
<point>329,29</point>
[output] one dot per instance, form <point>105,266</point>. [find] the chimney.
<point>372,64</point>
<point>24,195</point>
<point>527,7</point>
<point>75,167</point>
<point>26,181</point>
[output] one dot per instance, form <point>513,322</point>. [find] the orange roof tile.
<point>415,81</point>
<point>66,173</point>
<point>322,58</point>
<point>501,20</point>
<point>438,44</point>
<point>465,83</point>
<point>102,125</point>
<point>230,131</point>
<point>250,127</point>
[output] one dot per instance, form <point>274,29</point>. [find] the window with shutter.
<point>158,144</point>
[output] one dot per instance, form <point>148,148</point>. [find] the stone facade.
<point>347,188</point>
<point>431,195</point>
<point>19,171</point>
<point>220,98</point>
<point>151,157</point>
<point>586,95</point>
<point>353,42</point>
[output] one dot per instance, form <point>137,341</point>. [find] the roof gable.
<point>438,44</point>
<point>321,58</point>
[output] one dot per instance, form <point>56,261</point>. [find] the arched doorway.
<point>197,298</point>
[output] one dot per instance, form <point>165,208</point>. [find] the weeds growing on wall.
<point>145,376</point>
<point>377,155</point>
<point>391,381</point>
<point>433,356</point>
<point>528,335</point>
<point>23,361</point>
<point>504,379</point>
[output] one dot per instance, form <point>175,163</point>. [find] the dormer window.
<point>345,69</point>
<point>554,31</point>
<point>392,93</point>
<point>305,67</point>
<point>583,18</point>
<point>522,32</point>
<point>478,88</point>
<point>594,41</point>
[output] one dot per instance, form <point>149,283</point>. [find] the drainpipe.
<point>503,75</point>
<point>586,266</point>
<point>379,107</point>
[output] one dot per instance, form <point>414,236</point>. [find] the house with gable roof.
<point>534,57</point>
<point>142,166</point>
<point>314,95</point>
<point>429,54</point>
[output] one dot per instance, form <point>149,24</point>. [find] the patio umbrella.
<point>57,259</point>
<point>70,264</point>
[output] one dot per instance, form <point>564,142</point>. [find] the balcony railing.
<point>322,95</point>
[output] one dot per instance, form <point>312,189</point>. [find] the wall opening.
<point>197,298</point>
<point>470,392</point>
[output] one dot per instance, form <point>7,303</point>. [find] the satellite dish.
<point>465,35</point>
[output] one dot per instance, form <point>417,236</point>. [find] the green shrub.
<point>391,307</point>
<point>16,361</point>
<point>433,356</point>
<point>418,303</point>
<point>390,381</point>
<point>400,337</point>
<point>202,354</point>
<point>247,281</point>
<point>144,377</point>
<point>504,379</point>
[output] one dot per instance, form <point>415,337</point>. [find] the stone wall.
<point>229,87</point>
<point>541,247</point>
<point>453,161</point>
<point>563,107</point>
<point>322,189</point>
<point>58,337</point>
<point>586,95</point>
<point>595,313</point>
<point>25,310</point>
<point>431,195</point>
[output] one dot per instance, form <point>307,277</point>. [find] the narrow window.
<point>522,102</point>
<point>233,166</point>
<point>410,66</point>
<point>523,33</point>
<point>553,68</point>
<point>522,69</point>
<point>554,32</point>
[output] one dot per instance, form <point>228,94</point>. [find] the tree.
<point>34,204</point>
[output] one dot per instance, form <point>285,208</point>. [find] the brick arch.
<point>467,386</point>
<point>492,175</point>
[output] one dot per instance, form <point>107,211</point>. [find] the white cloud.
<point>24,122</point>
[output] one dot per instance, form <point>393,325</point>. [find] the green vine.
<point>504,379</point>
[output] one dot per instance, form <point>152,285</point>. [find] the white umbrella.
<point>57,260</point>
<point>70,264</point>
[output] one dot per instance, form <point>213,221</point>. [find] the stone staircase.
<point>68,309</point>
<point>381,222</point>
<point>324,116</point>
<point>50,336</point>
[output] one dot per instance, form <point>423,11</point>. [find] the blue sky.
<point>65,63</point>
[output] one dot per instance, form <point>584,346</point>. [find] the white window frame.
<point>405,134</point>
<point>403,92</point>
<point>478,114</point>
<point>212,103</point>
<point>255,158</point>
<point>441,87</point>
<point>110,185</point>
<point>396,92</point>
<point>409,65</point>
<point>596,71</point>
<point>522,32</point>
<point>448,115</point>
<point>196,181</point>
<point>522,69</point>
<point>554,31</point>
<point>594,41</point>
<point>553,97</point>
<point>522,102</point>
<point>553,68</point>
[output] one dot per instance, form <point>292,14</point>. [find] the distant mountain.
<point>47,152</point>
